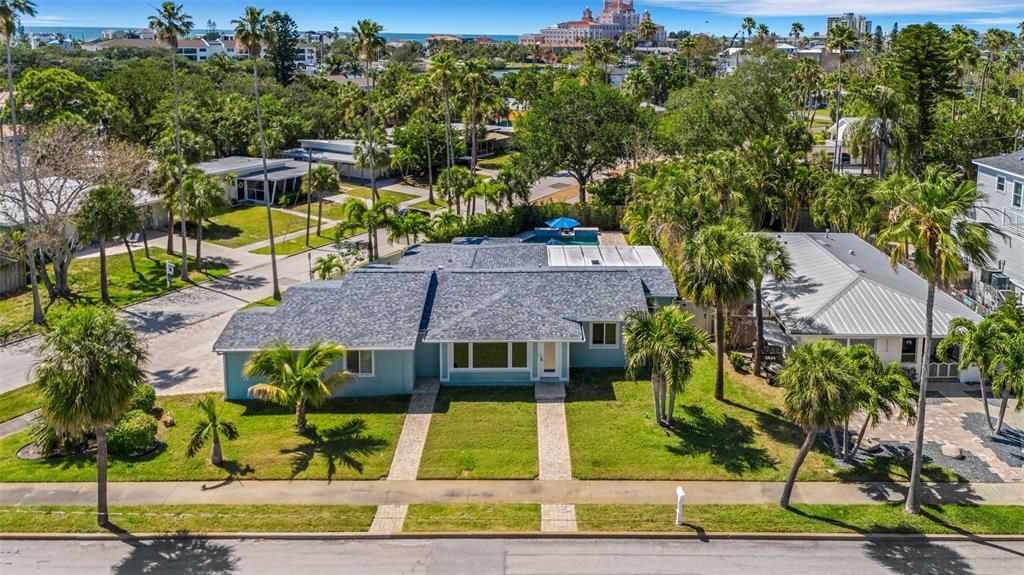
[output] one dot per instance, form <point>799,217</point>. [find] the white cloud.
<point>817,8</point>
<point>995,21</point>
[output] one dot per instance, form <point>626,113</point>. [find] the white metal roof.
<point>605,256</point>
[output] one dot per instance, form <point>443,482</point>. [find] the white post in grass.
<point>680,500</point>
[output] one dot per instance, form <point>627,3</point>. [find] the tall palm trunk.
<point>759,344</point>
<point>104,294</point>
<point>180,166</point>
<point>860,435</point>
<point>450,149</point>
<point>472,139</point>
<point>170,233</point>
<point>839,112</point>
<point>655,393</point>
<point>319,211</point>
<point>984,402</point>
<point>913,504</point>
<point>216,457</point>
<point>199,245</point>
<point>266,179</point>
<point>101,476</point>
<point>430,172</point>
<point>369,135</point>
<point>1002,411</point>
<point>145,242</point>
<point>720,351</point>
<point>300,416</point>
<point>37,306</point>
<point>787,491</point>
<point>671,405</point>
<point>131,256</point>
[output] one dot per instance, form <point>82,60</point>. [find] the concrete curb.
<point>350,536</point>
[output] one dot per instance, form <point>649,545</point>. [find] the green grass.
<point>482,433</point>
<point>353,439</point>
<point>242,226</point>
<point>431,207</point>
<point>192,518</point>
<point>125,286</point>
<point>331,211</point>
<point>268,301</point>
<point>869,518</point>
<point>18,402</point>
<point>495,162</point>
<point>473,517</point>
<point>613,433</point>
<point>366,193</point>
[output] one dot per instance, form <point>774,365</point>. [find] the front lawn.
<point>430,207</point>
<point>473,517</point>
<point>331,211</point>
<point>191,518</point>
<point>298,243</point>
<point>246,225</point>
<point>613,434</point>
<point>18,402</point>
<point>366,194</point>
<point>350,439</point>
<point>771,518</point>
<point>495,162</point>
<point>482,433</point>
<point>125,286</point>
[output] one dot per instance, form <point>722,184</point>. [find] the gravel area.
<point>970,467</point>
<point>1008,446</point>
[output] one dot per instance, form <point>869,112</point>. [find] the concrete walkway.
<point>12,426</point>
<point>406,463</point>
<point>399,492</point>
<point>553,455</point>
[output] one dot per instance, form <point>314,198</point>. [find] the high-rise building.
<point>855,22</point>
<point>616,18</point>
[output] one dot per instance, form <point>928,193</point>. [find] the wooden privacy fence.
<point>12,274</point>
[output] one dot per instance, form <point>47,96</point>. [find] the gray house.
<point>482,312</point>
<point>1001,181</point>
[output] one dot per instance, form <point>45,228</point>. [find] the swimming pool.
<point>578,237</point>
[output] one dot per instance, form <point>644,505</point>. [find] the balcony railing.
<point>944,371</point>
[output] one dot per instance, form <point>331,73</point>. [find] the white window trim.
<point>1001,179</point>
<point>451,358</point>
<point>1017,196</point>
<point>373,362</point>
<point>604,345</point>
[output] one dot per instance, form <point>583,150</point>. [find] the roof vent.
<point>853,253</point>
<point>595,262</point>
<point>440,268</point>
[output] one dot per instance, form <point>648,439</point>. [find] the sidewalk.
<point>404,492</point>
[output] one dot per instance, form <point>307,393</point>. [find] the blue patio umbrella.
<point>563,223</point>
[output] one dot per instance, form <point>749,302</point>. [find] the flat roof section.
<point>603,256</point>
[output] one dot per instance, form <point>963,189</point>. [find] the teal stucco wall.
<point>393,374</point>
<point>582,355</point>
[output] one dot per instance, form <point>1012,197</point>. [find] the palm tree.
<point>373,217</point>
<point>328,266</point>
<point>627,42</point>
<point>90,364</point>
<point>883,391</point>
<point>106,213</point>
<point>444,73</point>
<point>840,38</point>
<point>796,30</point>
<point>883,126</point>
<point>10,13</point>
<point>716,270</point>
<point>770,258</point>
<point>297,379</point>
<point>210,427</point>
<point>667,342</point>
<point>204,196</point>
<point>809,74</point>
<point>487,191</point>
<point>688,45</point>
<point>403,160</point>
<point>415,224</point>
<point>367,43</point>
<point>647,30</point>
<point>748,26</point>
<point>456,181</point>
<point>929,225</point>
<point>763,31</point>
<point>1010,379</point>
<point>323,179</point>
<point>251,30</point>
<point>820,386</point>
<point>170,23</point>
<point>476,85</point>
<point>977,344</point>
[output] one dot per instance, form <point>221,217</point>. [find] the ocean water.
<point>84,34</point>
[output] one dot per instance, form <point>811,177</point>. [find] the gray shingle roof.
<point>520,305</point>
<point>1012,162</point>
<point>366,309</point>
<point>482,256</point>
<point>843,285</point>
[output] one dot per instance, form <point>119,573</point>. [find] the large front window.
<point>359,362</point>
<point>604,335</point>
<point>490,355</point>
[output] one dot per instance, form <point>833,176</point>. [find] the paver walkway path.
<point>398,492</point>
<point>14,425</point>
<point>553,453</point>
<point>406,463</point>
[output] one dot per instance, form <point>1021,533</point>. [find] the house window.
<point>604,335</point>
<point>868,342</point>
<point>359,362</point>
<point>1000,184</point>
<point>909,352</point>
<point>1018,192</point>
<point>490,355</point>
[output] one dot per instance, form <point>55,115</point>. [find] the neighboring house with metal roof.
<point>845,289</point>
<point>473,313</point>
<point>244,180</point>
<point>1001,182</point>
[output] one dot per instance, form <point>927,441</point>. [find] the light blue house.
<point>479,312</point>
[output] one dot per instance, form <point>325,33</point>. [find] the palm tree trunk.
<point>839,108</point>
<point>1002,411</point>
<point>319,211</point>
<point>199,244</point>
<point>37,306</point>
<point>180,166</point>
<point>266,179</point>
<point>846,437</point>
<point>131,256</point>
<point>448,144</point>
<point>860,436</point>
<point>369,136</point>
<point>759,344</point>
<point>656,395</point>
<point>216,457</point>
<point>787,491</point>
<point>101,476</point>
<point>170,233</point>
<point>145,241</point>
<point>104,295</point>
<point>720,351</point>
<point>671,404</point>
<point>472,136</point>
<point>300,416</point>
<point>984,403</point>
<point>430,172</point>
<point>835,441</point>
<point>913,504</point>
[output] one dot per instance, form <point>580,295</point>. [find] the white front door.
<point>549,359</point>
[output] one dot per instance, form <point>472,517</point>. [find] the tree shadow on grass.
<point>729,442</point>
<point>213,231</point>
<point>878,473</point>
<point>178,554</point>
<point>345,444</point>
<point>773,423</point>
<point>915,556</point>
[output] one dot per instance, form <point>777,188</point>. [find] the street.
<point>509,556</point>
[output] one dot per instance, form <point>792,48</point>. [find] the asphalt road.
<point>509,556</point>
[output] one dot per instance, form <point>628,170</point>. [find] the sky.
<point>719,17</point>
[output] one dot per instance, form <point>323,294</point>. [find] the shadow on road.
<point>916,557</point>
<point>180,555</point>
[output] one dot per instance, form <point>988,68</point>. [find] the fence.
<point>12,275</point>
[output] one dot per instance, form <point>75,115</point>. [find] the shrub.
<point>134,431</point>
<point>145,398</point>
<point>521,218</point>
<point>51,441</point>
<point>739,361</point>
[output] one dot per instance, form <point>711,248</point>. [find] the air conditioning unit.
<point>999,281</point>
